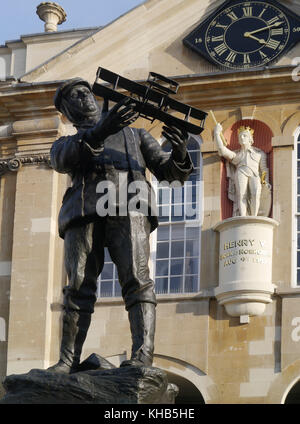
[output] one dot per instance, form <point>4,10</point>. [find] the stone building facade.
<point>213,357</point>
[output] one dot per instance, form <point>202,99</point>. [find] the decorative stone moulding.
<point>52,14</point>
<point>245,265</point>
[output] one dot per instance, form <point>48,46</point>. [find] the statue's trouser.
<point>127,239</point>
<point>244,183</point>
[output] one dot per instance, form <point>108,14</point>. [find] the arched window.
<point>177,261</point>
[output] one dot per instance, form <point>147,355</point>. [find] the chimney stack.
<point>52,14</point>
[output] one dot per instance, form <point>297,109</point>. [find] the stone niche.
<point>245,265</point>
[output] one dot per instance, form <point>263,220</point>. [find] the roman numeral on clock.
<point>276,31</point>
<point>232,16</point>
<point>247,58</point>
<point>272,44</point>
<point>231,57</point>
<point>220,49</point>
<point>273,20</point>
<point>247,11</point>
<point>218,38</point>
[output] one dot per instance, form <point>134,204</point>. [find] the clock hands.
<point>248,34</point>
<point>260,40</point>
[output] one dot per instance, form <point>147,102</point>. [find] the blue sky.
<point>18,17</point>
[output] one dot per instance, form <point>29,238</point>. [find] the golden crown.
<point>243,128</point>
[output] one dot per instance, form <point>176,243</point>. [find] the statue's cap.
<point>65,87</point>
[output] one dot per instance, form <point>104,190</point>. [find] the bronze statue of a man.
<point>104,147</point>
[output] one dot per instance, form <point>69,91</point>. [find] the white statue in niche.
<point>248,174</point>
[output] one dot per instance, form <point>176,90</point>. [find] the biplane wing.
<point>152,100</point>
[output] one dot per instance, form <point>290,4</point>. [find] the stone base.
<point>127,385</point>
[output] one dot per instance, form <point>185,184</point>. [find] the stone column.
<point>36,273</point>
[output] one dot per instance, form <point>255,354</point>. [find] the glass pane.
<point>176,285</point>
<point>298,204</point>
<point>177,213</point>
<point>298,185</point>
<point>161,285</point>
<point>107,257</point>
<point>176,267</point>
<point>192,144</point>
<point>177,195</point>
<point>118,290</point>
<point>106,289</point>
<point>177,232</point>
<point>163,232</point>
<point>191,283</point>
<point>177,249</point>
<point>164,195</point>
<point>162,250</point>
<point>191,265</point>
<point>107,272</point>
<point>298,241</point>
<point>195,158</point>
<point>298,168</point>
<point>164,213</point>
<point>192,248</point>
<point>298,258</point>
<point>191,211</point>
<point>298,223</point>
<point>193,233</point>
<point>298,150</point>
<point>162,267</point>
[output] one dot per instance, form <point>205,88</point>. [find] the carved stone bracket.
<point>16,163</point>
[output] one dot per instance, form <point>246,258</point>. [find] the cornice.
<point>15,163</point>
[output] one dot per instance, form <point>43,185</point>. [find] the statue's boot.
<point>142,325</point>
<point>75,327</point>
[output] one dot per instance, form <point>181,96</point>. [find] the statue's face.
<point>81,102</point>
<point>245,138</point>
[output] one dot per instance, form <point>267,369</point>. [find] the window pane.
<point>162,267</point>
<point>191,283</point>
<point>107,257</point>
<point>192,248</point>
<point>162,250</point>
<point>163,232</point>
<point>177,232</point>
<point>107,273</point>
<point>191,211</point>
<point>298,241</point>
<point>193,233</point>
<point>298,258</point>
<point>195,158</point>
<point>177,195</point>
<point>191,265</point>
<point>298,168</point>
<point>161,285</point>
<point>176,267</point>
<point>298,223</point>
<point>118,290</point>
<point>193,144</point>
<point>106,288</point>
<point>298,150</point>
<point>164,195</point>
<point>298,204</point>
<point>177,249</point>
<point>177,213</point>
<point>176,285</point>
<point>298,185</point>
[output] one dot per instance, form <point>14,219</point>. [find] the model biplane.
<point>152,100</point>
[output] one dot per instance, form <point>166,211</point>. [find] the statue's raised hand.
<point>118,117</point>
<point>178,138</point>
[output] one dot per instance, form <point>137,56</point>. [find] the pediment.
<point>148,38</point>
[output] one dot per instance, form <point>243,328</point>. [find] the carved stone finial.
<point>52,14</point>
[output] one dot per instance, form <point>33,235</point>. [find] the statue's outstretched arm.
<point>222,149</point>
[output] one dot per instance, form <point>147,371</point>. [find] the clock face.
<point>245,34</point>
